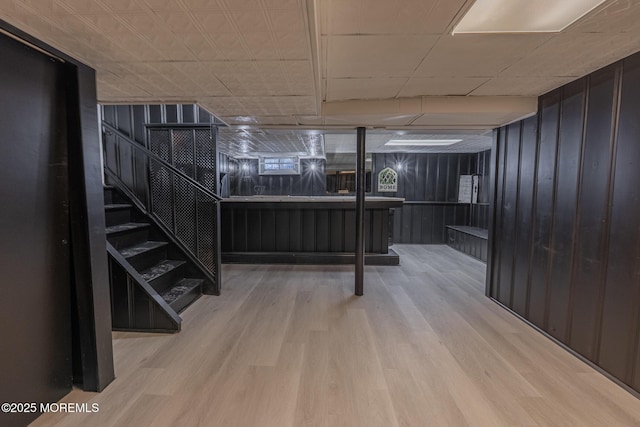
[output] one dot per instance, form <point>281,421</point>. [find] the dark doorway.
<point>35,320</point>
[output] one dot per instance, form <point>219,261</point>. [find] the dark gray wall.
<point>429,184</point>
<point>480,210</point>
<point>132,119</point>
<point>565,239</point>
<point>243,180</point>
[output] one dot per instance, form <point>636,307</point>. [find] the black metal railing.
<point>174,182</point>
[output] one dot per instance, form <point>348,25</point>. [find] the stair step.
<point>161,269</point>
<point>117,213</point>
<point>141,248</point>
<point>117,206</point>
<point>145,254</point>
<point>129,226</point>
<point>183,293</point>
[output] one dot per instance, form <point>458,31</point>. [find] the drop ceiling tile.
<point>408,16</point>
<point>125,5</point>
<point>375,88</point>
<point>143,23</point>
<point>232,47</point>
<point>215,22</point>
<point>199,5</point>
<point>520,86</point>
<point>250,22</point>
<point>432,17</point>
<point>277,120</point>
<point>370,120</point>
<point>106,24</point>
<point>164,5</point>
<point>298,70</point>
<point>43,7</point>
<point>565,55</point>
<point>287,21</point>
<point>177,22</point>
<point>293,45</point>
<point>11,8</point>
<point>477,55</point>
<point>615,17</point>
<point>74,24</point>
<point>34,24</point>
<point>440,86</point>
<point>82,6</point>
<point>241,4</point>
<point>223,106</point>
<point>282,4</point>
<point>301,89</point>
<point>132,48</point>
<point>270,70</point>
<point>234,70</point>
<point>361,56</point>
<point>488,120</point>
<point>201,47</point>
<point>340,17</point>
<point>262,46</point>
<point>280,105</point>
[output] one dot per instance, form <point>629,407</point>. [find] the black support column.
<point>360,188</point>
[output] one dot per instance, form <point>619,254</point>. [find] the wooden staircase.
<point>160,281</point>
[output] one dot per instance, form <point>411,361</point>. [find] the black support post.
<point>360,188</point>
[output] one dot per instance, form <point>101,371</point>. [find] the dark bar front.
<point>360,183</point>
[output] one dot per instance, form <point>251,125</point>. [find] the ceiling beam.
<point>451,111</point>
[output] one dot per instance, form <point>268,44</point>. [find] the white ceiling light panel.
<point>422,142</point>
<point>523,16</point>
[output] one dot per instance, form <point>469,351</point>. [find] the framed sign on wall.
<point>387,181</point>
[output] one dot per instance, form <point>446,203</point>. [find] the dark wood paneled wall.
<point>132,119</point>
<point>429,184</point>
<point>565,239</point>
<point>300,228</point>
<point>244,177</point>
<point>480,210</point>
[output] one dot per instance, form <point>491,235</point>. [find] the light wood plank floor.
<point>292,346</point>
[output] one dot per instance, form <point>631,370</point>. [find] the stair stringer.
<point>136,306</point>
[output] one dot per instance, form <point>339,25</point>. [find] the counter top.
<point>308,199</point>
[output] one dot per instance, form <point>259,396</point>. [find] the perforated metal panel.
<point>182,143</point>
<point>207,238</point>
<point>187,211</point>
<point>161,183</point>
<point>185,208</point>
<point>159,143</point>
<point>206,159</point>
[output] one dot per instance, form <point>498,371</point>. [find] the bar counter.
<point>304,229</point>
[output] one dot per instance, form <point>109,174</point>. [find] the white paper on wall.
<point>465,189</point>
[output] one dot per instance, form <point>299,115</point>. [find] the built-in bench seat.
<point>469,240</point>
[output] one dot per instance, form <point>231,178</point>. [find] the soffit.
<point>471,142</point>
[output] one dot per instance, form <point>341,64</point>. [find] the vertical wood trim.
<point>493,179</point>
<point>554,201</point>
<point>502,167</point>
<point>606,232</point>
<point>534,205</point>
<point>515,214</point>
<point>576,221</point>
